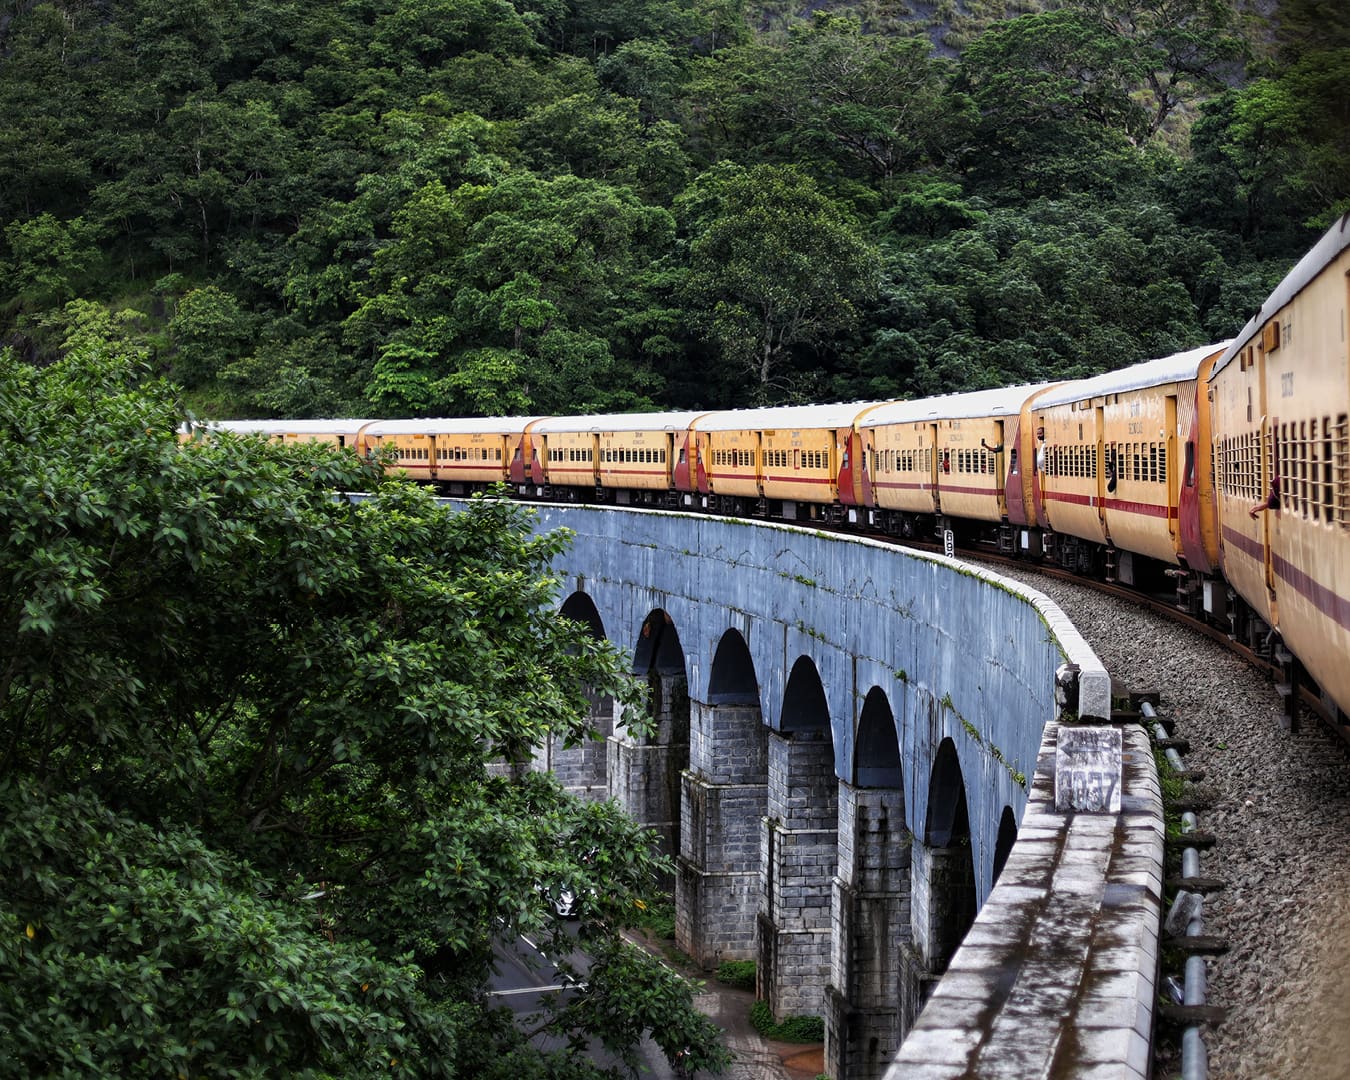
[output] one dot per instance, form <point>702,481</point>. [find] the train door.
<point>1099,451</point>
<point>668,460</point>
<point>1037,467</point>
<point>868,463</point>
<point>852,467</point>
<point>1173,472</point>
<point>1269,472</point>
<point>698,446</point>
<point>1000,449</point>
<point>940,465</point>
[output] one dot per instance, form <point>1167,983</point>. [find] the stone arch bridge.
<point>848,741</point>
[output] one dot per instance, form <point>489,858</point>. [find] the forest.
<point>252,807</point>
<point>479,207</point>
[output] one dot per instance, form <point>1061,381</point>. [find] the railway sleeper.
<point>1201,841</point>
<point>1202,885</point>
<point>1197,945</point>
<point>1192,1015</point>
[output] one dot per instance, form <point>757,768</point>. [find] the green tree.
<point>604,139</point>
<point>1187,48</point>
<point>208,330</point>
<point>553,274</point>
<point>876,104</point>
<point>245,791</point>
<point>1054,93</point>
<point>1058,289</point>
<point>774,265</point>
<point>49,260</point>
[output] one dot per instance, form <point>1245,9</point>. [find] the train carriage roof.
<point>1178,367</point>
<point>1002,401</point>
<point>336,426</point>
<point>784,416</point>
<point>607,422</point>
<point>1324,252</point>
<point>472,425</point>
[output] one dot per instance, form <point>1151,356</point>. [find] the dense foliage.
<point>248,824</point>
<point>485,206</point>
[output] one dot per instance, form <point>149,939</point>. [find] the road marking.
<point>536,989</point>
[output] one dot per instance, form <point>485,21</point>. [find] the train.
<point>1220,474</point>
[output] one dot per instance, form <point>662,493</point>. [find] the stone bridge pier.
<point>798,852</point>
<point>724,799</point>
<point>870,939</point>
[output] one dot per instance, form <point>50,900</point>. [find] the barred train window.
<point>1340,469</point>
<point>1312,456</point>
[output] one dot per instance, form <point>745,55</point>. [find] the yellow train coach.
<point>1280,397</point>
<point>1109,462</point>
<point>459,455</point>
<point>947,457</point>
<point>624,458</point>
<point>786,461</point>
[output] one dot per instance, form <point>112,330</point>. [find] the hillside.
<point>403,207</point>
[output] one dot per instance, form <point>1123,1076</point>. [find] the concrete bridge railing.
<point>853,744</point>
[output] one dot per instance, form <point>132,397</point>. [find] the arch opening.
<point>876,752</point>
<point>732,680</point>
<point>658,650</point>
<point>951,861</point>
<point>804,704</point>
<point>1007,836</point>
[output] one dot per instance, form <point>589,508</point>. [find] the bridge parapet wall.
<point>1056,976</point>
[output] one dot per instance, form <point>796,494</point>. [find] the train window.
<point>1340,469</point>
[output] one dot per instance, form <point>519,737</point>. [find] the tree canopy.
<point>471,206</point>
<point>250,824</point>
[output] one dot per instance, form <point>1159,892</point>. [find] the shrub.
<point>800,1029</point>
<point>737,973</point>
